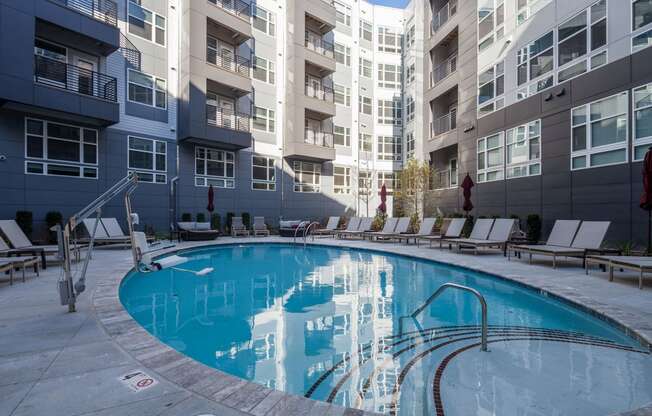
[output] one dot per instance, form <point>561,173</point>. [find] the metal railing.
<point>445,69</point>
<point>228,119</point>
<point>320,46</point>
<point>318,137</point>
<point>103,10</point>
<point>442,288</point>
<point>73,78</point>
<point>445,123</point>
<point>441,179</point>
<point>236,7</point>
<point>443,15</point>
<point>229,61</point>
<point>306,232</point>
<point>130,52</point>
<point>320,92</point>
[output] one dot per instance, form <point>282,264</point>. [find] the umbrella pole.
<point>649,232</point>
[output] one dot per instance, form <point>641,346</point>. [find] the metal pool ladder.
<point>435,295</point>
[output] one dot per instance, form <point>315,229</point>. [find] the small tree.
<point>413,183</point>
<point>365,189</point>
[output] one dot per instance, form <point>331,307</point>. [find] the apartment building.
<point>288,109</point>
<point>545,104</point>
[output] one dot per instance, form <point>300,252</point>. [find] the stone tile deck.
<point>56,363</point>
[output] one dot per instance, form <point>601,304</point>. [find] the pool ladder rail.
<point>435,295</point>
<point>306,231</point>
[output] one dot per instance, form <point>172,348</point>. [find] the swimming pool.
<point>322,322</point>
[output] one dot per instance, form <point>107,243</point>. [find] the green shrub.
<point>246,219</point>
<point>201,217</point>
<point>379,221</point>
<point>53,218</point>
<point>24,220</point>
<point>533,227</point>
<point>216,222</point>
<point>186,217</point>
<point>229,221</point>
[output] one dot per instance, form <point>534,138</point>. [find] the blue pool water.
<point>323,322</point>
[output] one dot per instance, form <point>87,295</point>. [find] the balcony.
<point>228,69</point>
<point>323,12</point>
<point>229,62</point>
<point>227,119</point>
<point>444,70</point>
<point>444,124</point>
<point>236,7</point>
<point>443,179</point>
<point>320,99</point>
<point>442,16</point>
<point>320,53</point>
<point>105,11</point>
<point>318,137</point>
<point>231,16</point>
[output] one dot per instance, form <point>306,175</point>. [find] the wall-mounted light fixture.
<point>548,97</point>
<point>469,128</point>
<point>560,92</point>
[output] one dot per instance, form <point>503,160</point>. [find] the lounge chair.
<point>238,227</point>
<point>425,229</point>
<point>452,231</point>
<point>640,264</point>
<point>101,235</point>
<point>21,244</point>
<point>196,231</point>
<point>330,229</point>
<point>588,238</point>
<point>498,237</point>
<point>480,231</point>
<point>363,227</point>
<point>260,228</point>
<point>561,235</point>
<point>9,264</point>
<point>401,229</point>
<point>388,229</point>
<point>351,226</point>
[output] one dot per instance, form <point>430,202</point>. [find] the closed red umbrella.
<point>211,194</point>
<point>383,199</point>
<point>467,184</point>
<point>646,196</point>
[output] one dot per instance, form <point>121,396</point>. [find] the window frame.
<point>345,53</point>
<point>389,179</point>
<point>269,118</point>
<point>527,139</point>
<point>206,177</point>
<point>269,68</point>
<point>298,172</point>
<point>644,141</point>
<point>500,170</point>
<point>346,92</point>
<point>365,105</point>
<point>366,68</point>
<point>410,146</point>
<point>639,31</point>
<point>396,109</point>
<point>531,8</point>
<point>497,101</point>
<point>153,88</point>
<point>345,189</point>
<point>346,135</point>
<point>154,172</point>
<point>270,184</point>
<point>498,30</point>
<point>269,19</point>
<point>154,24</point>
<point>384,32</point>
<point>363,31</point>
<point>396,145</point>
<point>344,10</point>
<point>397,73</point>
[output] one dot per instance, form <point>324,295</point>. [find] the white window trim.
<point>346,134</point>
<point>494,32</point>
<point>645,140</point>
<point>527,139</point>
<point>527,85</point>
<point>498,101</point>
<point>270,68</point>
<point>270,20</point>
<point>265,182</point>
<point>590,150</point>
<point>532,8</point>
<point>397,148</point>
<point>153,88</point>
<point>500,169</point>
<point>383,47</point>
<point>300,170</point>
<point>152,172</point>
<point>154,26</point>
<point>343,189</point>
<point>396,109</point>
<point>388,179</point>
<point>205,177</point>
<point>267,119</point>
<point>390,85</point>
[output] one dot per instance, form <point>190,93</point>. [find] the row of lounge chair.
<point>258,228</point>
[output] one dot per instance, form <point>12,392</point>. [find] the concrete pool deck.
<point>56,363</point>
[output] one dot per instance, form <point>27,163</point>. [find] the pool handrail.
<point>435,295</point>
<point>306,232</point>
<point>301,226</point>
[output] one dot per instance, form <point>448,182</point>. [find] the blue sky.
<point>390,3</point>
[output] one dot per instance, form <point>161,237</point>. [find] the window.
<point>365,68</point>
<point>536,63</point>
<point>147,158</point>
<point>579,37</point>
<point>365,183</point>
<point>389,76</point>
<point>410,146</point>
<point>641,19</point>
<point>307,176</point>
<point>389,40</point>
<point>264,119</point>
<point>342,95</point>
<point>389,112</point>
<point>364,143</point>
<point>491,22</point>
<point>146,24</point>
<point>263,176</point>
<point>264,70</point>
<point>366,31</point>
<point>390,148</point>
<point>60,149</point>
<point>410,73</point>
<point>523,145</point>
<point>409,109</point>
<point>342,13</point>
<point>490,158</point>
<point>527,9</point>
<point>342,136</point>
<point>214,167</point>
<point>642,120</point>
<point>452,168</point>
<point>599,132</point>
<point>491,87</point>
<point>264,20</point>
<point>147,89</point>
<point>364,105</point>
<point>341,180</point>
<point>342,54</point>
<point>389,180</point>
<point>410,37</point>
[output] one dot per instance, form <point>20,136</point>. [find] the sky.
<point>390,3</point>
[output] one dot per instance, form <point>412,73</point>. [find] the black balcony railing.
<point>73,78</point>
<point>318,137</point>
<point>103,10</point>
<point>130,52</point>
<point>236,7</point>
<point>320,46</point>
<point>230,62</point>
<point>228,119</point>
<point>320,92</point>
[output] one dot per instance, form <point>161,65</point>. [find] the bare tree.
<point>413,183</point>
